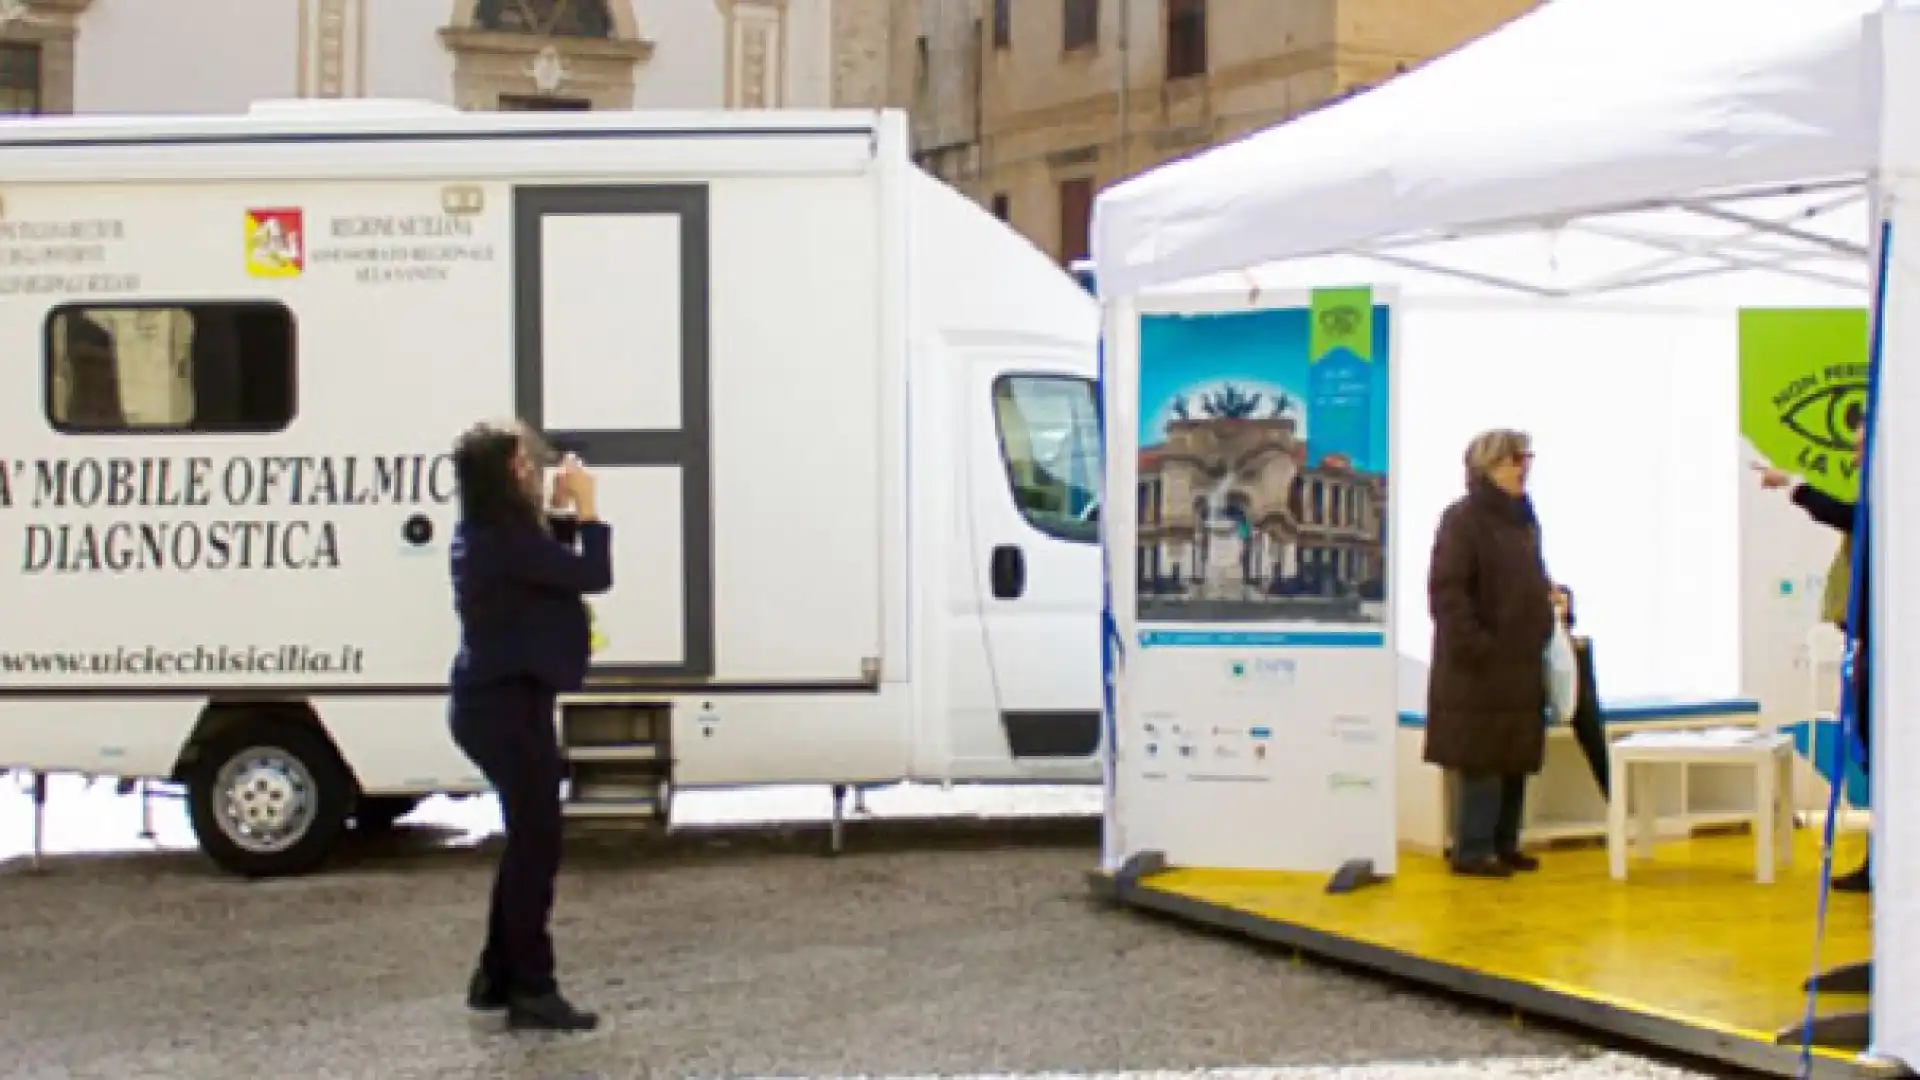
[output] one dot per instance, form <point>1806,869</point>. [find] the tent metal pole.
<point>1126,87</point>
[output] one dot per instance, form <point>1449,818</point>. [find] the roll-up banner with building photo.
<point>1252,580</point>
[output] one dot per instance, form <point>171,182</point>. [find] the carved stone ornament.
<point>549,70</point>
<point>17,12</point>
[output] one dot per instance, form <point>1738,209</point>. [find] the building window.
<point>1002,206</point>
<point>1003,24</point>
<point>1082,24</point>
<point>19,78</point>
<point>1050,442</point>
<point>154,368</point>
<point>1186,38</point>
<point>538,103</point>
<point>546,18</point>
<point>1076,217</point>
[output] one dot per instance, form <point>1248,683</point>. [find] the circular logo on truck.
<point>418,530</point>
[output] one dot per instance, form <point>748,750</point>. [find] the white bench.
<point>1768,757</point>
<point>1563,802</point>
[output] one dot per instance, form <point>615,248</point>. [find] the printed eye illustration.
<point>1830,417</point>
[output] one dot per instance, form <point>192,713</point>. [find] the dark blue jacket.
<point>518,593</point>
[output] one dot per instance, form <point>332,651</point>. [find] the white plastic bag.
<point>1563,675</point>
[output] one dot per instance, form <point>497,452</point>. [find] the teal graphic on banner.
<point>1342,375</point>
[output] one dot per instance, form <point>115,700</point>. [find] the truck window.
<point>1050,441</point>
<point>155,368</point>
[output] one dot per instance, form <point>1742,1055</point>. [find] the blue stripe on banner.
<point>1848,746</point>
<point>1262,639</point>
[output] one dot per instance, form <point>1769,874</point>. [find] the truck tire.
<point>268,799</point>
<point>378,813</point>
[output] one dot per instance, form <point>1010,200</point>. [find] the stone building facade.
<point>1031,106</point>
<point>1297,529</point>
<point>93,56</point>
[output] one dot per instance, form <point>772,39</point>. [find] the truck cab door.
<point>1033,458</point>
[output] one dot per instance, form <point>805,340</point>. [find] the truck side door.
<point>1034,469</point>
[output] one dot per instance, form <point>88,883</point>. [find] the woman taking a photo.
<point>1493,613</point>
<point>518,583</point>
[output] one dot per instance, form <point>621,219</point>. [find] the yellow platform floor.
<point>1689,952</point>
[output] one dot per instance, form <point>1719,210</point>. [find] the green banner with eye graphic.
<point>1803,392</point>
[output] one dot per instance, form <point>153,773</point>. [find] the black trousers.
<point>507,730</point>
<point>1487,811</point>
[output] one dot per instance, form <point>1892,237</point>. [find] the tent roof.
<point>1580,106</point>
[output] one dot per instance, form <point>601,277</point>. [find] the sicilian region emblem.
<point>276,243</point>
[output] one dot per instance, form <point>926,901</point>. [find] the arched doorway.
<point>544,54</point>
<point>547,18</point>
<point>1238,511</point>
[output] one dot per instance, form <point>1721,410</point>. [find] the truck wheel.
<point>268,799</point>
<point>378,813</point>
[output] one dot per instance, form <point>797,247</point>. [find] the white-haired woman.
<point>1493,614</point>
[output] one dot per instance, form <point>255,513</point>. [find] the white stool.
<point>1769,755</point>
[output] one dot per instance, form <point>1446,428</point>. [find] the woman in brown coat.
<point>1493,613</point>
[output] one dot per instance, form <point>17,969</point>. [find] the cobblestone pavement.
<point>928,949</point>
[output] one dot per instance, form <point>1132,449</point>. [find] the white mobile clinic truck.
<point>843,420</point>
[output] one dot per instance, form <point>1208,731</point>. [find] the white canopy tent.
<point>1582,109</point>
<point>1597,159</point>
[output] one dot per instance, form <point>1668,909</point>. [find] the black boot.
<point>1520,860</point>
<point>548,1012</point>
<point>1860,881</point>
<point>485,993</point>
<point>1487,866</point>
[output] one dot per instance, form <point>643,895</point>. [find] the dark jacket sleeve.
<point>1540,545</point>
<point>1450,590</point>
<point>1824,508</point>
<point>565,527</point>
<point>539,560</point>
